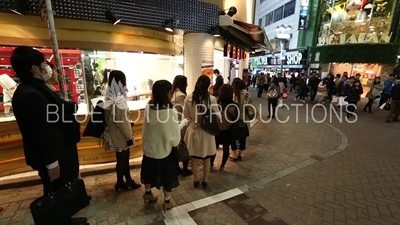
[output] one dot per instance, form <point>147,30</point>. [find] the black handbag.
<point>240,130</point>
<point>181,152</point>
<point>209,121</point>
<point>61,205</point>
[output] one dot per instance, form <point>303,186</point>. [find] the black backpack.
<point>96,125</point>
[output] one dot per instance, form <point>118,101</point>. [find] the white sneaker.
<point>295,99</point>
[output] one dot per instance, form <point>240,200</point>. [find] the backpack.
<point>272,94</point>
<point>239,129</point>
<point>96,125</point>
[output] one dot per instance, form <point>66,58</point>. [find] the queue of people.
<point>173,118</point>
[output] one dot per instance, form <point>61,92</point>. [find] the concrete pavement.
<point>298,172</point>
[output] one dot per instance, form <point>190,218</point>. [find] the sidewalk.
<point>274,151</point>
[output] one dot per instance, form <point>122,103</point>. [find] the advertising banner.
<point>303,19</point>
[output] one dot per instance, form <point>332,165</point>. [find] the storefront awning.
<point>249,35</point>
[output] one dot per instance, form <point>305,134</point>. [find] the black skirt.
<point>160,172</point>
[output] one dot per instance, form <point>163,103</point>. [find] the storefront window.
<point>278,14</point>
<point>355,21</point>
<point>141,71</point>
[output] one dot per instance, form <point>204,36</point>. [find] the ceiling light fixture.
<point>169,25</point>
<point>231,11</point>
<point>19,7</point>
<point>216,31</point>
<point>112,17</point>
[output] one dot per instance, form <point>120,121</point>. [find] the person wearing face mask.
<point>42,125</point>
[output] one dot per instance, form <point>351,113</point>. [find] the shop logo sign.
<point>294,58</point>
<point>115,95</point>
<point>261,61</point>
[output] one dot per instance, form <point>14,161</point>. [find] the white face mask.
<point>49,73</point>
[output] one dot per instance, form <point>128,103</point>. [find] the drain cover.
<point>317,157</point>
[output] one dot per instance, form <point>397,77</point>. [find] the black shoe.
<point>78,220</point>
<point>204,184</point>
<point>120,186</point>
<point>186,173</point>
<point>395,120</point>
<point>132,185</point>
<point>89,197</point>
<point>196,184</point>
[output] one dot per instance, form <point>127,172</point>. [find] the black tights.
<point>369,104</point>
<point>122,167</point>
<point>225,154</point>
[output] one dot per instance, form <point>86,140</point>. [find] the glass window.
<point>269,18</point>
<point>261,1</point>
<point>260,22</point>
<point>289,8</point>
<point>278,14</point>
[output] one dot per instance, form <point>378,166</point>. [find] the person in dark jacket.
<point>302,87</point>
<point>340,87</point>
<point>394,99</point>
<point>313,84</point>
<point>38,111</point>
<point>353,92</point>
<point>219,81</point>
<point>331,87</point>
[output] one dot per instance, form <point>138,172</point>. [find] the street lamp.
<point>283,33</point>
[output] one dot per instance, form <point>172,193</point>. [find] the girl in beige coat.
<point>201,145</point>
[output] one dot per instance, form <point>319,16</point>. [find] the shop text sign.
<point>355,38</point>
<point>294,58</point>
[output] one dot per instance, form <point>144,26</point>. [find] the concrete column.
<point>198,57</point>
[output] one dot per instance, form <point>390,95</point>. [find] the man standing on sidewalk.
<point>388,85</point>
<point>394,98</point>
<point>43,133</point>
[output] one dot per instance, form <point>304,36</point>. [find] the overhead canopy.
<point>245,34</point>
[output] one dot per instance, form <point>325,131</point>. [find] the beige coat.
<point>244,111</point>
<point>200,143</point>
<point>119,127</point>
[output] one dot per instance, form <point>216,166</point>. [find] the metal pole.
<point>282,43</point>
<point>54,43</point>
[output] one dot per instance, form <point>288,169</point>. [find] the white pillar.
<point>198,57</point>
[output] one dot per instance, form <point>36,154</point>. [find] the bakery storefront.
<point>358,38</point>
<point>295,62</point>
<point>89,50</point>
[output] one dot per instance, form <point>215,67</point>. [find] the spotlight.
<point>169,25</point>
<point>253,51</point>
<point>232,11</point>
<point>112,17</point>
<point>19,7</point>
<point>216,31</point>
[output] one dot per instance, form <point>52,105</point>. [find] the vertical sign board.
<point>303,19</point>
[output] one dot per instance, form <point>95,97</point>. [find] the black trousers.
<point>69,170</point>
<point>242,145</point>
<point>260,90</point>
<point>351,107</point>
<point>272,104</point>
<point>225,152</point>
<point>369,104</point>
<point>384,98</point>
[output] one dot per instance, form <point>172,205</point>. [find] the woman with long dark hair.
<point>373,93</point>
<point>219,81</point>
<point>273,94</point>
<point>119,136</point>
<point>229,115</point>
<point>247,113</point>
<point>161,133</point>
<point>201,145</point>
<point>179,86</point>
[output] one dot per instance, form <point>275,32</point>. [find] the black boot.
<point>120,172</point>
<point>130,183</point>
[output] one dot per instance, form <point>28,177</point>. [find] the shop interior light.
<point>112,17</point>
<point>169,25</point>
<point>253,51</point>
<point>19,7</point>
<point>216,31</point>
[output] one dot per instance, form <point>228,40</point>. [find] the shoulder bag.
<point>209,121</point>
